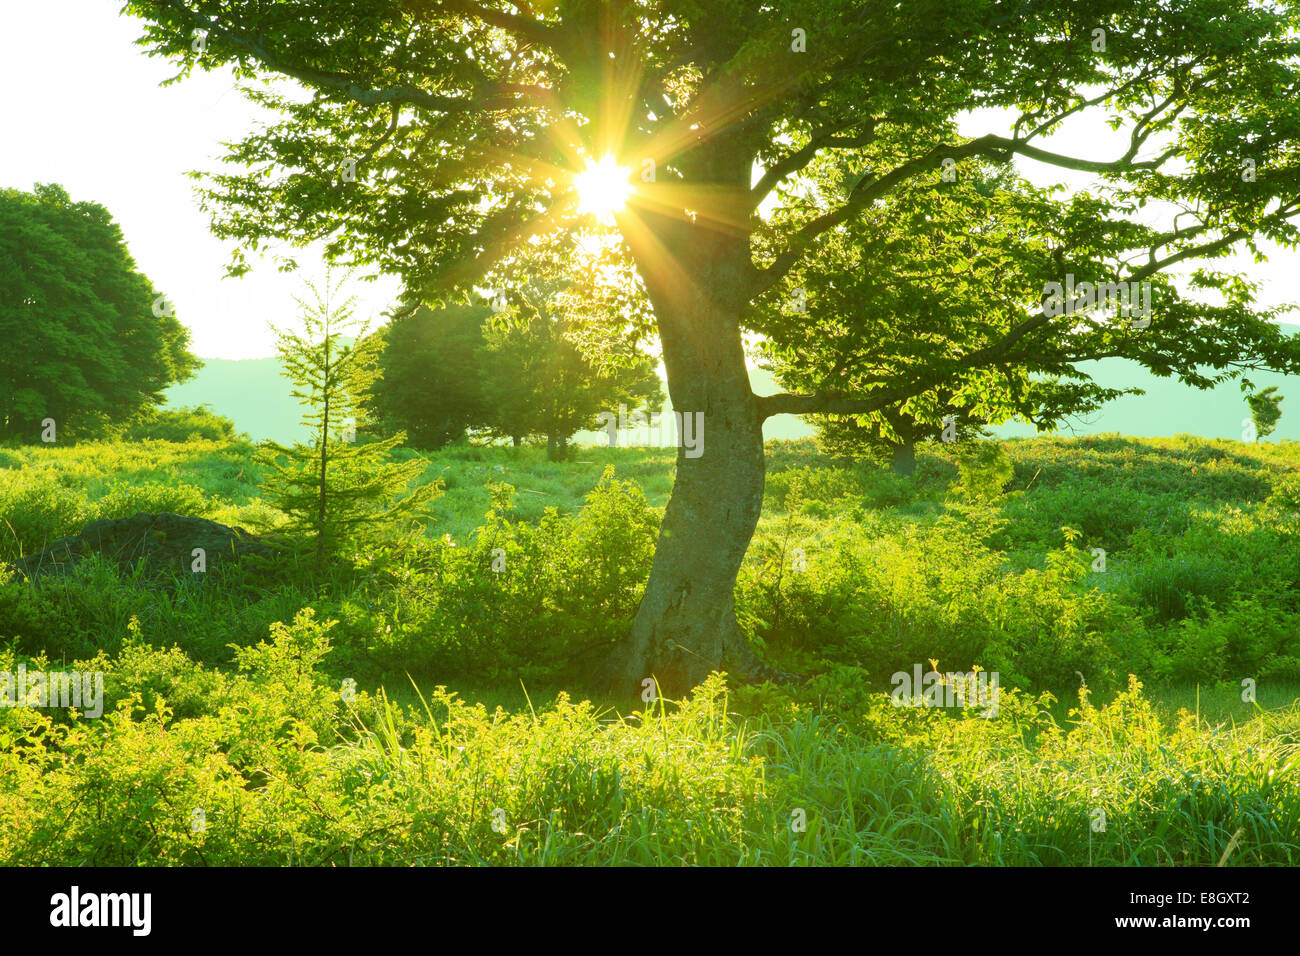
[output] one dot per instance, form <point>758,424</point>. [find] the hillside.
<point>256,396</point>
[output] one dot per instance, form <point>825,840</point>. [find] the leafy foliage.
<point>83,344</point>
<point>338,491</point>
<point>513,374</point>
<point>199,423</point>
<point>429,382</point>
<point>235,698</point>
<point>538,382</point>
<point>1265,410</point>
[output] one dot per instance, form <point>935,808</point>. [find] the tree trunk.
<point>697,273</point>
<point>515,440</point>
<point>557,448</point>
<point>905,459</point>
<point>686,627</point>
<point>324,456</point>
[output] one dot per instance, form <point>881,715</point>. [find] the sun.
<point>603,187</point>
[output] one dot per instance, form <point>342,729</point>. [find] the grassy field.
<point>1124,731</point>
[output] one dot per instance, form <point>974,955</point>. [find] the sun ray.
<point>603,188</point>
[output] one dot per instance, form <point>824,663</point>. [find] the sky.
<point>104,128</point>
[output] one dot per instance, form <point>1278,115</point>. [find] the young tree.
<point>336,490</point>
<point>1265,410</point>
<point>87,340</point>
<point>449,141</point>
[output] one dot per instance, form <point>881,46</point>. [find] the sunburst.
<point>603,187</point>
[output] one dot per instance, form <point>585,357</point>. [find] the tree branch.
<point>786,403</point>
<point>799,158</point>
<point>341,82</point>
<point>991,145</point>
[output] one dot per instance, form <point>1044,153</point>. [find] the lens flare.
<point>602,187</point>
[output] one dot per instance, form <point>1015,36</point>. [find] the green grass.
<point>211,704</point>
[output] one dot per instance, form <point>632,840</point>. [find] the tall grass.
<point>215,705</point>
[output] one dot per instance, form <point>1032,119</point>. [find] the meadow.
<point>1138,598</point>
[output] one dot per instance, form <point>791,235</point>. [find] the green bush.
<point>518,600</point>
<point>124,499</point>
<point>187,424</point>
<point>983,469</point>
<point>1107,515</point>
<point>1172,588</point>
<point>35,512</point>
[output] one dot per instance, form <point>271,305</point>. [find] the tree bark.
<point>905,459</point>
<point>687,621</point>
<point>685,626</point>
<point>698,275</point>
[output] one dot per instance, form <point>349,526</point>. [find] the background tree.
<point>82,342</point>
<point>537,382</point>
<point>927,273</point>
<point>510,380</point>
<point>430,373</point>
<point>337,490</point>
<point>446,142</point>
<point>890,431</point>
<point>1265,410</point>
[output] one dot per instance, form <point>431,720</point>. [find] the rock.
<point>165,541</point>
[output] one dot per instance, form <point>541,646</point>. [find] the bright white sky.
<point>82,107</point>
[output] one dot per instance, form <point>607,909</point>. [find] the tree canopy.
<point>948,263</point>
<point>429,374</point>
<point>538,382</point>
<point>88,342</point>
<point>514,374</point>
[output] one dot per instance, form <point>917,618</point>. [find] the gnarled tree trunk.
<point>687,620</point>
<point>697,276</point>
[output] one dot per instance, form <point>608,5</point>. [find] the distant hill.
<point>250,391</point>
<point>256,396</point>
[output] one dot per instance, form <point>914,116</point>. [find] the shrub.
<point>1172,588</point>
<point>35,512</point>
<point>186,424</point>
<point>984,469</point>
<point>517,600</point>
<point>124,499</point>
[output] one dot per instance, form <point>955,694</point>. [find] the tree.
<point>88,342</point>
<point>891,431</point>
<point>336,490</point>
<point>507,374</point>
<point>536,381</point>
<point>1265,410</point>
<point>914,296</point>
<point>442,142</point>
<point>429,374</point>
